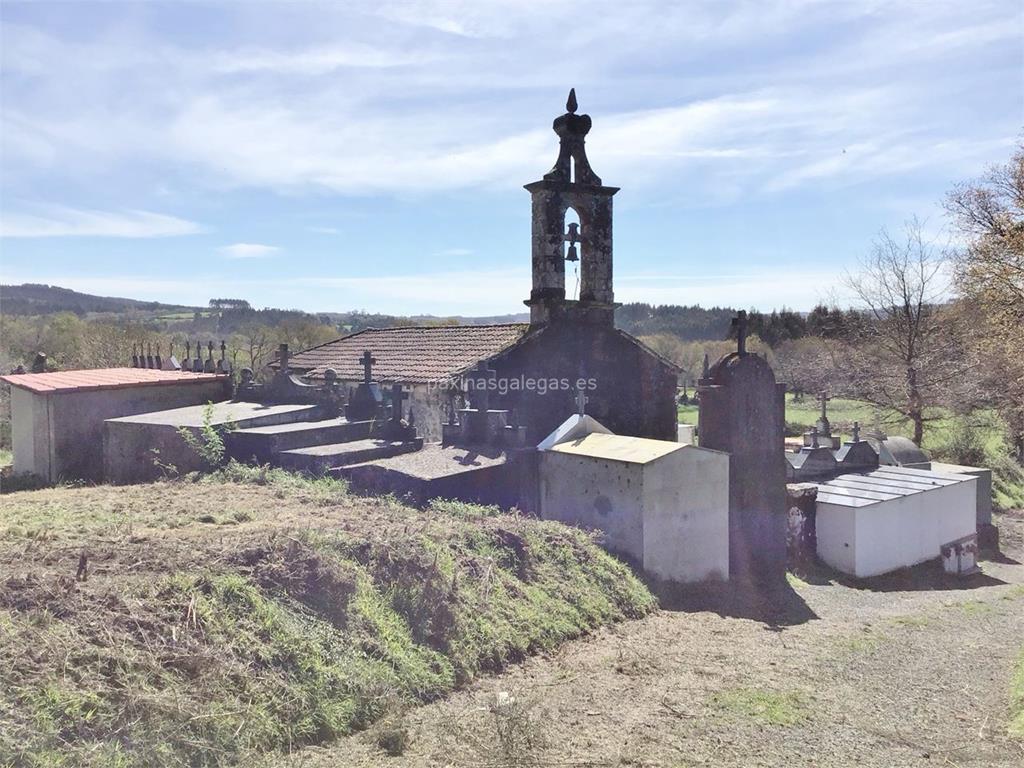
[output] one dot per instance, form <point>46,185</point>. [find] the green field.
<point>947,436</point>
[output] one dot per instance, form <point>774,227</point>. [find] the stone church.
<point>533,370</point>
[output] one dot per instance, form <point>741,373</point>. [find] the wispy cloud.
<point>324,230</point>
<point>62,221</point>
<point>248,250</point>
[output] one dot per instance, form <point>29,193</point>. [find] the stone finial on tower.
<point>856,431</point>
<point>572,164</point>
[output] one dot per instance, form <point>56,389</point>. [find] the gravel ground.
<point>912,671</point>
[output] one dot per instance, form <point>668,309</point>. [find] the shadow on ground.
<point>925,577</point>
<point>776,605</point>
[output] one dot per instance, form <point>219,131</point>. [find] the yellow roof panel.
<point>635,450</point>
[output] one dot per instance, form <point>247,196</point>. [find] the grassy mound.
<point>216,620</point>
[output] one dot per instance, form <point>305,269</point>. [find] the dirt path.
<point>896,675</point>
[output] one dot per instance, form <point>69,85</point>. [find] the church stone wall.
<point>633,390</point>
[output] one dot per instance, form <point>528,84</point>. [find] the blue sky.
<point>372,155</point>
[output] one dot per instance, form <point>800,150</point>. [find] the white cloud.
<point>317,61</point>
<point>62,221</point>
<point>248,250</point>
<point>324,230</point>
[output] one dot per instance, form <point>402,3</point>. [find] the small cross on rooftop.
<point>581,401</point>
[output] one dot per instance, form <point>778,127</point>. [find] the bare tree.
<point>909,351</point>
<point>990,275</point>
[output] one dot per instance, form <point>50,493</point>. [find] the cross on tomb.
<point>856,431</point>
<point>581,401</point>
<point>740,324</point>
<point>367,361</point>
<point>282,358</point>
<point>397,396</point>
<point>814,437</point>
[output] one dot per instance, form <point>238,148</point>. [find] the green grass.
<point>944,434</point>
<point>6,457</point>
<point>314,616</point>
<point>783,708</point>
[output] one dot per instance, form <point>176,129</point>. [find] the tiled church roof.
<point>411,355</point>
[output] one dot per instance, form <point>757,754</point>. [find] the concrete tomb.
<point>894,517</point>
<point>57,418</point>
<point>662,504</point>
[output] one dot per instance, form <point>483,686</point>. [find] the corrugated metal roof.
<point>103,378</point>
<point>414,355</point>
<point>884,484</point>
<point>633,450</point>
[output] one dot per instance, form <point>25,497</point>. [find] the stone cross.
<point>367,361</point>
<point>188,353</point>
<point>581,401</point>
<point>856,431</point>
<point>814,437</point>
<point>397,396</point>
<point>135,357</point>
<point>149,355</point>
<point>823,398</point>
<point>158,363</point>
<point>740,324</point>
<point>282,358</point>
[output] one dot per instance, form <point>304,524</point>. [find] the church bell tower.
<point>572,233</point>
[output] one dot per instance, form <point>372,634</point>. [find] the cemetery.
<point>566,417</point>
<point>541,440</point>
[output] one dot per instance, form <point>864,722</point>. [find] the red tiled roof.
<point>415,355</point>
<point>103,378</point>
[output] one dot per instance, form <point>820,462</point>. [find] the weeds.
<point>208,442</point>
<point>783,708</point>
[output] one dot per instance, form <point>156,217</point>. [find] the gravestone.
<point>742,412</point>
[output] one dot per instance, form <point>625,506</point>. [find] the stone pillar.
<point>742,412</point>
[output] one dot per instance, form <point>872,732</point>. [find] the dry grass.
<point>196,623</point>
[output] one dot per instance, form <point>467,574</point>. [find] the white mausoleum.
<point>663,504</point>
<point>894,517</point>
